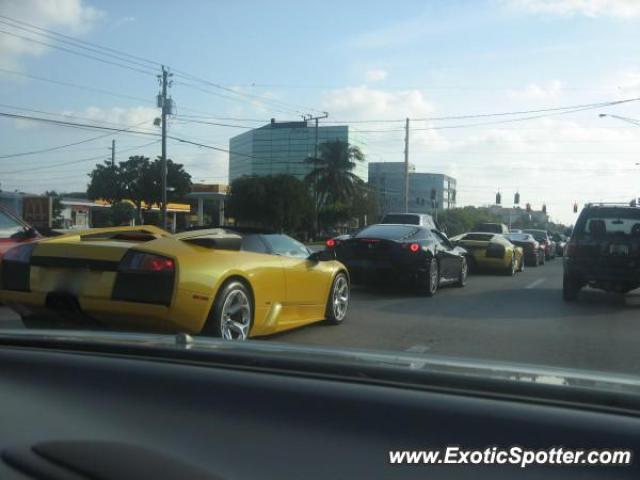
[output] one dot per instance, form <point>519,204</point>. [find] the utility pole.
<point>113,153</point>
<point>315,156</point>
<point>165,104</point>
<point>406,166</point>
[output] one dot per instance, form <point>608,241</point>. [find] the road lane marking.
<point>535,283</point>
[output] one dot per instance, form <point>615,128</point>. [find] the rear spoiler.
<point>140,233</point>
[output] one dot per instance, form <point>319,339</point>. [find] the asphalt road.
<point>520,319</point>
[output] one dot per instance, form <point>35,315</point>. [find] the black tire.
<point>536,262</point>
<point>543,260</point>
<point>511,269</point>
<point>570,289</point>
<point>464,272</point>
<point>214,325</point>
<point>432,281</point>
<point>333,317</point>
<point>521,269</point>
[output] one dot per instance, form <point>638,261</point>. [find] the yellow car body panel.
<point>477,248</point>
<point>287,292</point>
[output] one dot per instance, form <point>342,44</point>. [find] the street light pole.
<point>166,107</point>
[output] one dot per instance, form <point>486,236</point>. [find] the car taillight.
<point>414,247</point>
<point>146,262</point>
<point>331,243</point>
<point>145,278</point>
<point>16,269</point>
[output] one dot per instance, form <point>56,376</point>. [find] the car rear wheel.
<point>464,271</point>
<point>232,314</point>
<point>338,302</point>
<point>521,268</point>
<point>570,288</point>
<point>433,278</point>
<point>543,259</point>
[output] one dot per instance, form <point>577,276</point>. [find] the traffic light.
<point>544,208</point>
<point>516,199</point>
<point>498,198</point>
<point>528,208</point>
<point>575,207</point>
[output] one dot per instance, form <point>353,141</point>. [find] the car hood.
<point>254,351</point>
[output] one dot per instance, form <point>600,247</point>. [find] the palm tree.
<point>332,177</point>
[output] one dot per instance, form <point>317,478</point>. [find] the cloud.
<point>538,92</point>
<point>71,16</point>
<point>131,116</point>
<point>122,21</point>
<point>627,84</point>
<point>589,8</point>
<point>376,75</point>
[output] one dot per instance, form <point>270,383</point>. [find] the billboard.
<point>38,212</point>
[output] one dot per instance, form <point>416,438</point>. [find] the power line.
<point>57,34</point>
<point>75,85</point>
<point>74,162</point>
<point>70,41</point>
<point>85,55</point>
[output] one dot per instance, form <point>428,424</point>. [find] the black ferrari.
<point>388,253</point>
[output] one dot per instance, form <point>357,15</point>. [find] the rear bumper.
<point>116,314</point>
<point>366,271</point>
<point>491,263</point>
<point>589,273</point>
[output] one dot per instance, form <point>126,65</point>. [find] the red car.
<point>13,231</point>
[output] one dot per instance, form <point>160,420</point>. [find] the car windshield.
<point>519,237</point>
<point>254,172</point>
<point>479,237</point>
<point>388,232</point>
<point>619,222</point>
<point>400,218</point>
<point>537,234</point>
<point>9,226</point>
<point>287,246</point>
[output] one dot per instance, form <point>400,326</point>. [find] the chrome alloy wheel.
<point>236,316</point>
<point>340,298</point>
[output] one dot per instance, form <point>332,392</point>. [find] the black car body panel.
<point>384,252</point>
<point>604,249</point>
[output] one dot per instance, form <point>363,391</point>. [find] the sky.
<point>373,61</point>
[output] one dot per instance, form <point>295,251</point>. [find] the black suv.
<point>604,250</point>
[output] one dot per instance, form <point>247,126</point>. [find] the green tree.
<point>280,202</point>
<point>332,179</point>
<point>138,180</point>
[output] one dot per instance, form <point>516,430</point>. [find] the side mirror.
<point>322,256</point>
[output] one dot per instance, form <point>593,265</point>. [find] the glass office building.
<point>388,179</point>
<point>281,148</point>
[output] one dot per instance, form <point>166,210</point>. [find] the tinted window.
<point>519,237</point>
<point>620,220</point>
<point>389,232</point>
<point>479,237</point>
<point>402,219</point>
<point>286,246</point>
<point>8,226</point>
<point>253,243</point>
<point>539,235</point>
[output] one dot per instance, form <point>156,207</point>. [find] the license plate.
<point>72,281</point>
<point>618,249</point>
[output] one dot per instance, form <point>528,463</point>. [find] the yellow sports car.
<point>227,282</point>
<point>491,251</point>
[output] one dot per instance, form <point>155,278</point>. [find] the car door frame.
<point>446,255</point>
